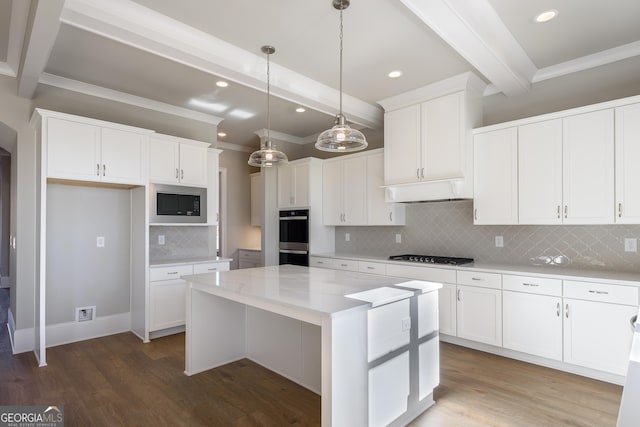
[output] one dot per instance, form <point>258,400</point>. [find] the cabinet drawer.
<point>345,264</point>
<point>603,292</point>
<point>480,279</point>
<point>439,275</point>
<point>168,273</point>
<point>532,285</point>
<point>372,267</point>
<point>210,267</point>
<point>321,262</point>
<point>253,256</point>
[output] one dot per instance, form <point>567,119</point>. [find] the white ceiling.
<point>162,53</point>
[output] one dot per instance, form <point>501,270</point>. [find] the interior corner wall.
<point>5,212</point>
<point>240,233</point>
<point>15,112</point>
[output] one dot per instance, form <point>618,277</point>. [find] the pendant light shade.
<point>268,156</point>
<point>341,137</point>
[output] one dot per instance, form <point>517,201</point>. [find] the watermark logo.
<point>31,416</point>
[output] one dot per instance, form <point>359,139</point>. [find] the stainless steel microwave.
<point>176,204</point>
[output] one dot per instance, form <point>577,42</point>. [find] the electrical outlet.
<point>499,242</point>
<point>347,237</point>
<point>631,245</point>
<point>406,324</point>
<point>398,238</point>
<point>100,241</point>
<point>85,314</point>
<point>161,239</point>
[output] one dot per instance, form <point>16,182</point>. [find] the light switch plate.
<point>630,245</point>
<point>398,238</point>
<point>100,241</point>
<point>347,237</point>
<point>499,242</point>
<point>161,239</point>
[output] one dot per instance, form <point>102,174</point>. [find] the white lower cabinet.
<point>166,311</point>
<point>479,314</point>
<point>447,308</point>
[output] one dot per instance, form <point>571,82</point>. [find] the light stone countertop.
<point>196,260</point>
<point>306,291</point>
<point>623,278</point>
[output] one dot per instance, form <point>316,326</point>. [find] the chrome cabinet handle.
<point>98,169</point>
<point>458,293</point>
<point>181,173</point>
<point>558,309</point>
<point>566,314</point>
<point>344,265</point>
<point>619,210</point>
<point>558,211</point>
<point>212,269</point>
<point>172,272</point>
<point>534,285</point>
<point>475,214</point>
<point>177,175</point>
<point>566,211</point>
<point>418,173</point>
<point>422,173</point>
<point>598,292</point>
<point>477,278</point>
<point>390,216</point>
<point>370,268</point>
<point>633,321</point>
<point>104,170</point>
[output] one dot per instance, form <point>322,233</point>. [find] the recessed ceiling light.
<point>395,74</point>
<point>222,134</point>
<point>222,83</point>
<point>546,16</point>
<point>300,110</point>
<point>241,114</point>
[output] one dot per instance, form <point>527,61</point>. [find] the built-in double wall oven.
<point>294,237</point>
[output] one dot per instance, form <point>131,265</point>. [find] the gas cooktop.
<point>429,259</point>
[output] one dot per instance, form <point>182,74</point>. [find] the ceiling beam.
<point>17,27</point>
<point>42,30</point>
<point>137,26</point>
<point>476,32</point>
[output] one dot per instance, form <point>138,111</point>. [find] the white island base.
<point>373,363</point>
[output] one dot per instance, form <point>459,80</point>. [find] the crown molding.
<point>135,25</point>
<point>232,147</point>
<point>17,29</point>
<point>126,98</point>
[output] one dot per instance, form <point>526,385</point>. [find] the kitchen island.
<point>368,344</point>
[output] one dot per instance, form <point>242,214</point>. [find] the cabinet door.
<point>164,161</point>
<point>332,193</point>
<point>354,187</point>
<point>167,304</point>
<point>73,150</point>
<point>402,145</point>
<point>532,324</point>
<point>442,138</point>
<point>379,212</point>
<point>123,157</point>
<point>193,165</point>
<point>479,314</point>
<point>540,173</point>
<point>257,199</point>
<point>301,185</point>
<point>285,187</point>
<point>628,164</point>
<point>588,176</point>
<point>447,309</point>
<point>597,335</point>
<point>495,192</point>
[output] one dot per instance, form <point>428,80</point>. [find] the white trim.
<point>22,340</point>
<point>523,357</point>
<point>125,98</point>
<point>7,70</point>
<point>476,32</point>
<point>180,140</point>
<point>233,147</point>
<point>65,333</point>
<point>135,25</point>
<point>280,136</point>
<point>589,61</point>
<point>17,29</point>
<point>222,209</point>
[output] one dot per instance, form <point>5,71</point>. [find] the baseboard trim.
<point>65,333</point>
<point>536,360</point>
<point>22,340</point>
<point>166,332</point>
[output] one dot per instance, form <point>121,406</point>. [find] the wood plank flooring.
<point>118,380</point>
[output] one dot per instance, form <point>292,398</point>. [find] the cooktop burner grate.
<point>430,259</point>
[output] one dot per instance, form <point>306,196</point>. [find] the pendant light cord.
<point>268,103</point>
<point>341,39</point>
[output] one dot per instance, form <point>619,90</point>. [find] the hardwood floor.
<point>117,380</point>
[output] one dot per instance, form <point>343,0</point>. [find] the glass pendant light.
<point>268,156</point>
<point>341,137</point>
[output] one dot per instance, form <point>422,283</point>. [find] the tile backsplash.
<point>181,242</point>
<point>446,228</point>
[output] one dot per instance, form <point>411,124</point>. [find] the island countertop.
<point>312,292</point>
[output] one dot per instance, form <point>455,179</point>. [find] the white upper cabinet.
<point>177,161</point>
<point>293,185</point>
<point>496,177</point>
<point>379,212</point>
<point>88,150</point>
<point>425,142</point>
<point>627,123</point>
<point>540,172</point>
<point>344,191</point>
<point>588,168</point>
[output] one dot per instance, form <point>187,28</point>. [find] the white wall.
<point>5,210</point>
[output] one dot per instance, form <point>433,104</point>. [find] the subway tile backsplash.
<point>181,242</point>
<point>446,228</point>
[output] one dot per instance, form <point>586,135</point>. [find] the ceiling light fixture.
<point>268,156</point>
<point>546,16</point>
<point>395,74</point>
<point>300,110</point>
<point>222,83</point>
<point>341,137</point>
<point>222,134</point>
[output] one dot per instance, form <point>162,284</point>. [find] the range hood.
<point>434,191</point>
